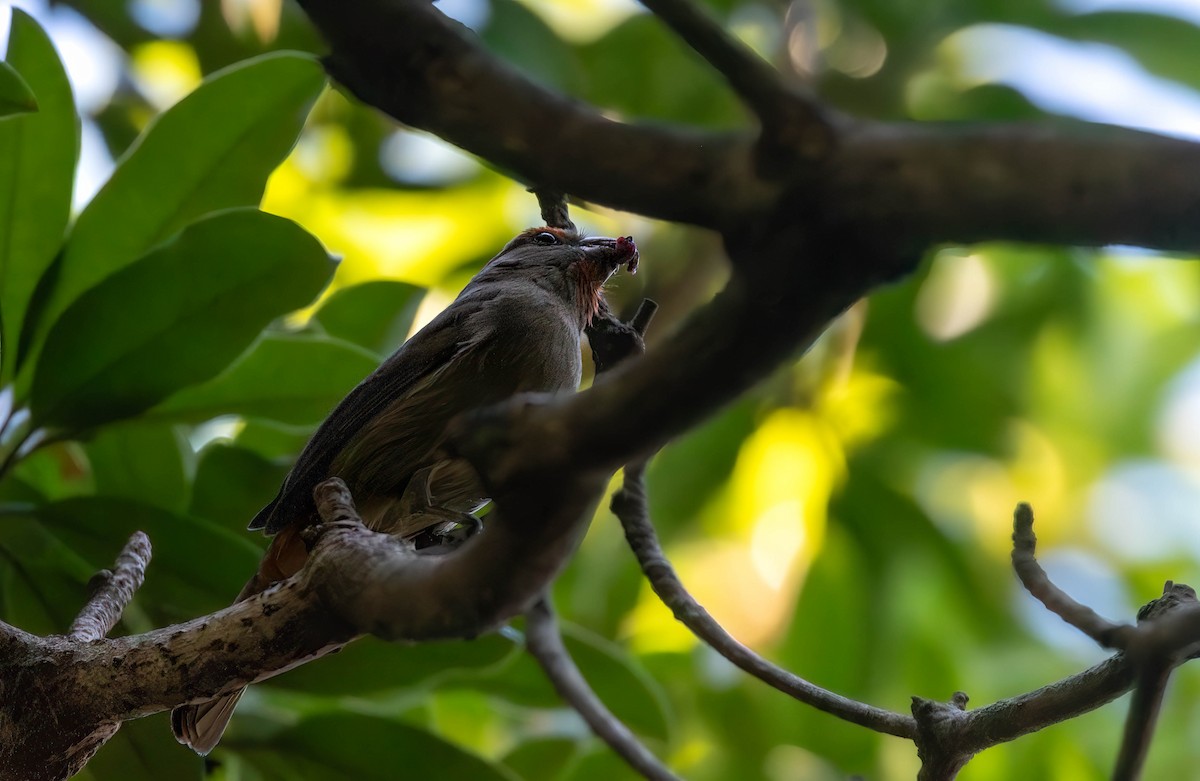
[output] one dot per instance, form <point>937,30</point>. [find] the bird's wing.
<point>418,359</point>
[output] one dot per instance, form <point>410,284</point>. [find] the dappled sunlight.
<point>964,491</point>
<point>692,754</point>
<point>416,237</point>
<point>583,21</point>
<point>1140,298</point>
<point>958,295</point>
<point>779,534</point>
<point>778,495</point>
<point>758,27</point>
<point>860,408</point>
<point>165,71</point>
<point>324,155</point>
<point>769,524</point>
<point>723,576</point>
<point>258,16</point>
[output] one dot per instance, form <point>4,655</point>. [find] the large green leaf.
<point>376,315</point>
<point>619,680</point>
<point>520,36</point>
<point>232,483</point>
<point>338,746</point>
<point>213,150</point>
<point>37,169</point>
<point>640,69</point>
<point>198,567</point>
<point>142,461</point>
<point>143,751</point>
<point>545,758</point>
<point>291,378</point>
<point>176,317</point>
<point>42,582</point>
<point>15,95</point>
<point>371,666</point>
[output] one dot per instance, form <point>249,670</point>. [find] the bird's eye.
<point>545,237</point>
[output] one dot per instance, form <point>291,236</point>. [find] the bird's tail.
<point>199,726</point>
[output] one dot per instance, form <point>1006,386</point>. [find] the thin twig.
<point>554,207</point>
<point>789,117</point>
<point>629,505</point>
<point>545,644</point>
<point>612,341</point>
<point>1107,633</point>
<point>113,592</point>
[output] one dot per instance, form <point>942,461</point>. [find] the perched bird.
<point>515,328</point>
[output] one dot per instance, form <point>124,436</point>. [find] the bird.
<point>515,328</point>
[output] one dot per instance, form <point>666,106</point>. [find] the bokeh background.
<point>850,518</point>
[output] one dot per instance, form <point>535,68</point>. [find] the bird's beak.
<point>611,254</point>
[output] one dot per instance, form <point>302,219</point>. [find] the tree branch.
<point>796,128</point>
<point>629,505</point>
<point>354,582</point>
<point>1035,580</point>
<point>1064,183</point>
<point>1144,706</point>
<point>1166,635</point>
<point>113,591</point>
<point>412,62</point>
<point>545,644</point>
<point>554,208</point>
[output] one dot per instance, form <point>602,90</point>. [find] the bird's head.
<point>572,266</point>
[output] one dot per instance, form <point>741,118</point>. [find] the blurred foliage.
<point>166,349</point>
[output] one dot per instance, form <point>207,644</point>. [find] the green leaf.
<point>337,746</point>
<point>538,759</point>
<point>232,483</point>
<point>198,567</point>
<point>641,70</point>
<point>42,582</point>
<point>143,750</point>
<point>600,764</point>
<point>376,315</point>
<point>140,461</point>
<point>370,666</point>
<point>519,36</point>
<point>211,151</point>
<point>612,672</point>
<point>15,95</point>
<point>175,318</point>
<point>37,173</point>
<point>292,378</point>
<point>278,441</point>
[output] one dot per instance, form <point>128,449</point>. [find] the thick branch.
<point>355,581</point>
<point>545,644</point>
<point>368,579</point>
<point>921,183</point>
<point>1060,183</point>
<point>409,60</point>
<point>629,505</point>
<point>799,284</point>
